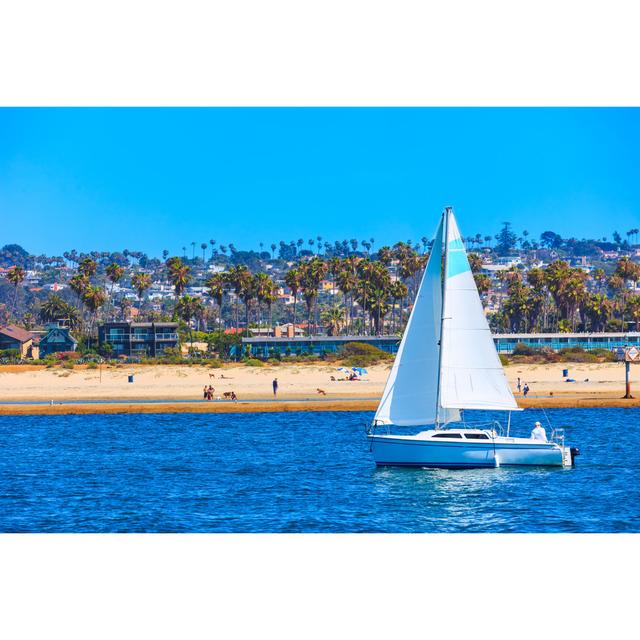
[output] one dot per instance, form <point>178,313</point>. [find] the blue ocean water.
<point>298,472</point>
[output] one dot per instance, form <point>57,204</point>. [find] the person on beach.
<point>525,389</point>
<point>519,386</point>
<point>233,395</point>
<point>539,433</point>
<point>275,386</point>
<point>204,397</point>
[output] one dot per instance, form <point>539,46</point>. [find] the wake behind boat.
<point>446,363</point>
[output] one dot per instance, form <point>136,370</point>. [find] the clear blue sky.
<point>150,179</point>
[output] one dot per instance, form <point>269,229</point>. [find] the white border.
<point>317,586</point>
<point>334,52</point>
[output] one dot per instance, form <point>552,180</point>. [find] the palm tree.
<point>114,274</point>
<point>475,262</point>
<point>248,294</point>
<point>347,283</point>
<point>141,282</point>
<point>28,321</point>
<point>88,267</point>
<point>483,283</point>
<point>398,292</point>
<point>598,309</point>
<point>188,308</point>
<point>52,308</point>
<point>627,270</point>
<point>238,277</point>
<point>213,244</point>
<point>193,250</point>
<point>55,308</point>
<point>311,274</point>
<point>273,251</point>
<point>271,296</point>
<point>78,284</point>
<point>178,274</point>
<point>334,319</point>
<point>633,308</point>
<point>16,276</point>
<point>292,280</point>
<point>264,287</point>
<point>216,284</point>
<point>94,298</point>
<point>203,246</point>
<point>599,277</point>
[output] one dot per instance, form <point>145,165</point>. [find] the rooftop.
<point>323,339</point>
<point>17,333</point>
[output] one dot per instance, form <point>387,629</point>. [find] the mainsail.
<point>411,392</point>
<point>435,376</point>
<point>471,376</point>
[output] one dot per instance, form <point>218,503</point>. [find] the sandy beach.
<point>170,388</point>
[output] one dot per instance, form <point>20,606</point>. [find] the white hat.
<point>538,424</point>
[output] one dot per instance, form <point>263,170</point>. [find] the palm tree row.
<point>373,293</point>
<point>557,299</point>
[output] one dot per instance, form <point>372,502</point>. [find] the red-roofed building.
<point>13,337</point>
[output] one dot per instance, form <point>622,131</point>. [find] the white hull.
<point>422,450</point>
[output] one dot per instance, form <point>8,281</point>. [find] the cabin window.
<point>476,436</point>
<point>448,435</point>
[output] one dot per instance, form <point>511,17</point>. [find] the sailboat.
<point>447,363</point>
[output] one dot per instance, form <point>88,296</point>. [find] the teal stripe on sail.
<point>457,262</point>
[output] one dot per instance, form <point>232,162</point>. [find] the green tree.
<point>215,285</point>
<point>16,276</point>
<point>141,282</point>
<point>334,318</point>
<point>312,273</point>
<point>178,274</point>
<point>88,267</point>
<point>238,278</point>
<point>188,308</point>
<point>93,298</point>
<point>114,273</point>
<point>292,280</point>
<point>506,240</point>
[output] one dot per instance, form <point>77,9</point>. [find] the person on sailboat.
<point>539,433</point>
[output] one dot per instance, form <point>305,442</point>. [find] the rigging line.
<point>445,237</point>
<point>547,417</point>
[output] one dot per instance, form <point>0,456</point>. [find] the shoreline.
<point>37,390</point>
<point>129,406</point>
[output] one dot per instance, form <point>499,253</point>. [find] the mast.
<point>444,293</point>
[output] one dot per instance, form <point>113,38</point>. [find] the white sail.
<point>410,395</point>
<point>472,376</point>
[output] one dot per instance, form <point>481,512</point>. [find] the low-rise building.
<point>18,339</point>
<point>57,339</point>
<point>138,338</point>
<point>317,345</point>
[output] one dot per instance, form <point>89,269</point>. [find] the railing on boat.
<point>487,425</point>
<point>557,436</point>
